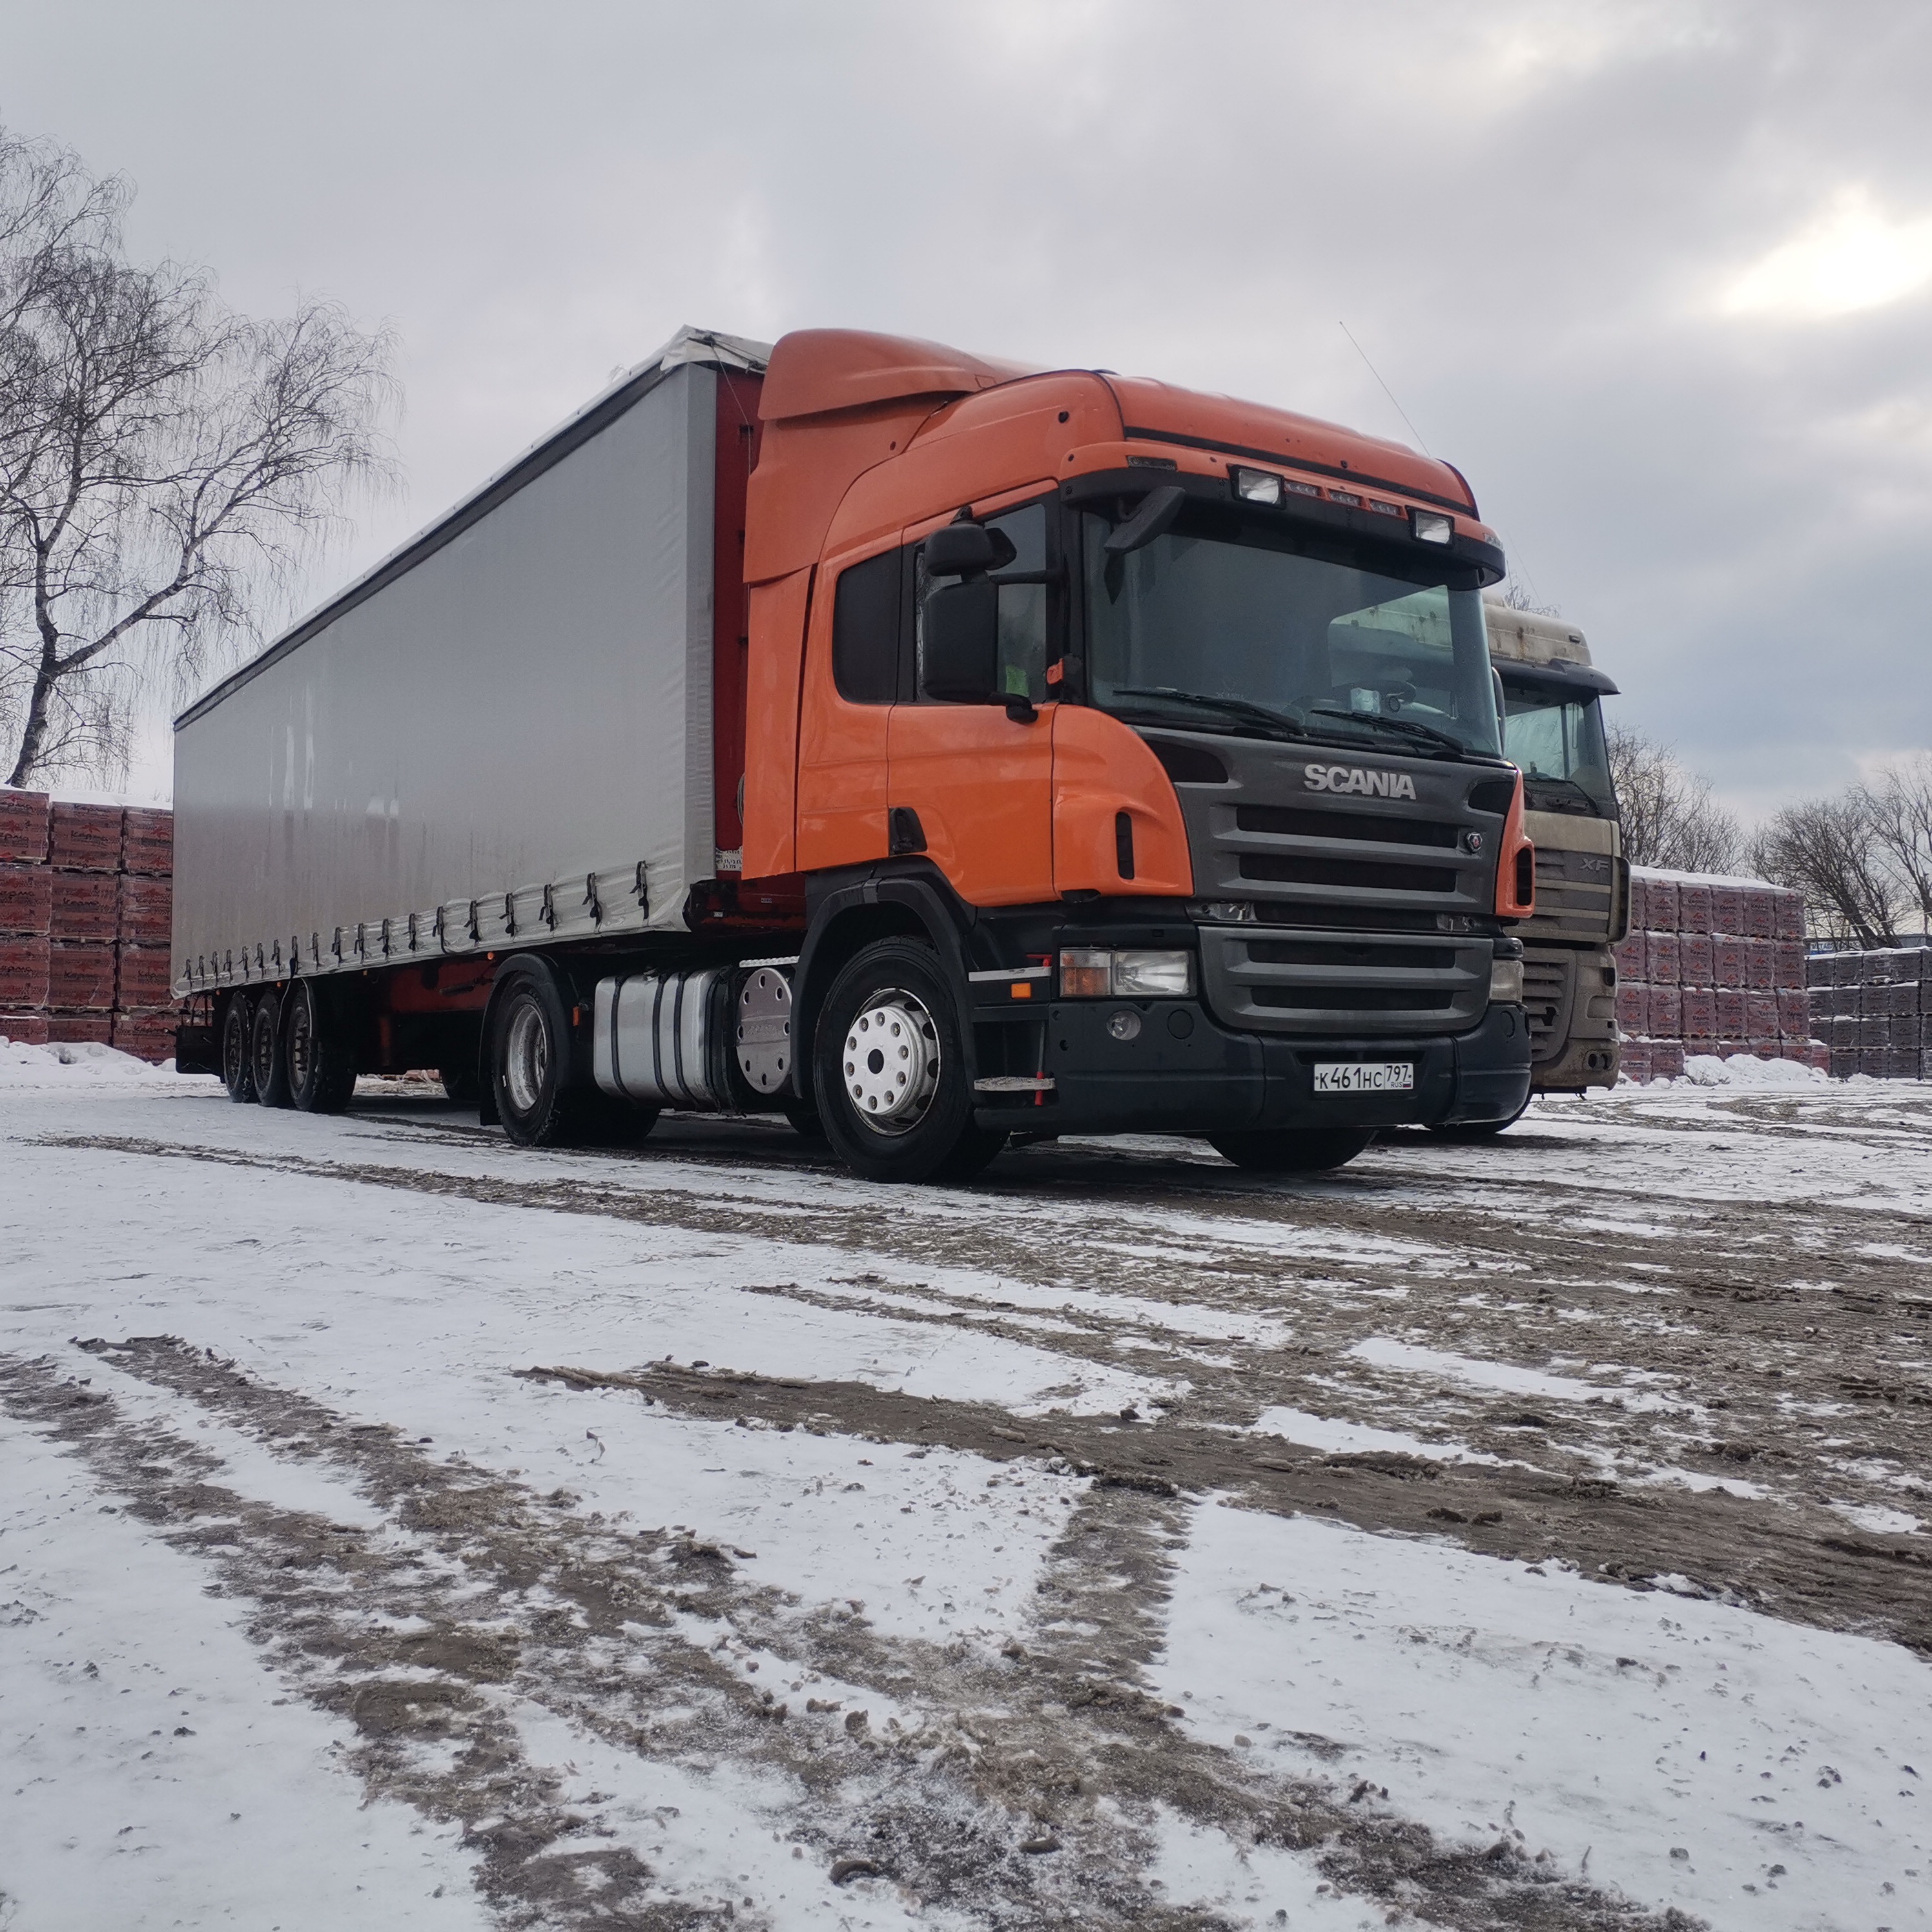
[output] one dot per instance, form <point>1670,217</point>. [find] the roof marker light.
<point>1256,486</point>
<point>1431,526</point>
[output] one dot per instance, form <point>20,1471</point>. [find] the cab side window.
<point>1023,606</point>
<point>865,617</point>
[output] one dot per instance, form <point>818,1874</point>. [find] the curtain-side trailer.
<point>932,750</point>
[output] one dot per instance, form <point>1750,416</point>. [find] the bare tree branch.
<point>162,461</point>
<point>1669,818</point>
<point>1826,849</point>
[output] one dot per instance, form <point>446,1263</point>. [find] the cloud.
<point>1851,257</point>
<point>1586,246</point>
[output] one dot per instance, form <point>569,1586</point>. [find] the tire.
<point>804,1118</point>
<point>321,1073</point>
<point>1290,1150</point>
<point>267,1061</point>
<point>1467,1133</point>
<point>529,1068</point>
<point>238,1058</point>
<point>889,1070</point>
<point>460,1083</point>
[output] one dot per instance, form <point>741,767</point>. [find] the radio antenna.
<point>1386,390</point>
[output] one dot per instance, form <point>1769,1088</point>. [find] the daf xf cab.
<point>1553,731</point>
<point>933,750</point>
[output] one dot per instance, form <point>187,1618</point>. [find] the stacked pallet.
<point>1874,1010</point>
<point>1713,965</point>
<point>86,911</point>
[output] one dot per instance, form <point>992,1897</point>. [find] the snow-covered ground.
<point>399,1529</point>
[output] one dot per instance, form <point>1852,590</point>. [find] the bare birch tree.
<point>164,462</point>
<point>1898,814</point>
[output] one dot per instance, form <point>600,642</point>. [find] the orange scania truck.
<point>933,750</point>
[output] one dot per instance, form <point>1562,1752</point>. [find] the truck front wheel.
<point>238,1058</point>
<point>1288,1150</point>
<point>889,1070</point>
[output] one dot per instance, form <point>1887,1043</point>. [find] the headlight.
<point>1431,526</point>
<point>1256,486</point>
<point>1087,974</point>
<point>1506,982</point>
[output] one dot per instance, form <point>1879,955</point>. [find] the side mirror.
<point>960,550</point>
<point>959,651</point>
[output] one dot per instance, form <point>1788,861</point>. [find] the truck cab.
<point>1170,717</point>
<point>1553,730</point>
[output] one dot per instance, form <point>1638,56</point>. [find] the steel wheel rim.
<point>301,1043</point>
<point>235,1045</point>
<point>262,1057</point>
<point>890,1062</point>
<point>526,1057</point>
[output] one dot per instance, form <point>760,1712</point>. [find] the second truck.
<point>936,750</point>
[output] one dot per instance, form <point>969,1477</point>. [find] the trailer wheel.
<point>889,1070</point>
<point>264,1052</point>
<point>1292,1151</point>
<point>238,1058</point>
<point>321,1075</point>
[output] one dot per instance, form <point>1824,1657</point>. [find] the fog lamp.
<point>1228,912</point>
<point>1506,982</point>
<point>1256,486</point>
<point>1431,526</point>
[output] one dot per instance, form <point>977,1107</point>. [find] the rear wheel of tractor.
<point>889,1070</point>
<point>321,1073</point>
<point>268,1063</point>
<point>238,1058</point>
<point>529,1062</point>
<point>1293,1151</point>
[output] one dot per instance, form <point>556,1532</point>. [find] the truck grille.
<point>1575,892</point>
<point>1290,982</point>
<point>1371,913</point>
<point>1548,986</point>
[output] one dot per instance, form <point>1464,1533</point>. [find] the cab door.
<point>853,654</point>
<point>967,784</point>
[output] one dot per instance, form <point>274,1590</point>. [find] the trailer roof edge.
<point>706,347</point>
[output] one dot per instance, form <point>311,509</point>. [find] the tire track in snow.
<point>437,1637</point>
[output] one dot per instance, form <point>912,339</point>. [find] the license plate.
<point>1365,1076</point>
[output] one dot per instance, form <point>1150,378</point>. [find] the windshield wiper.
<point>1233,707</point>
<point>1407,727</point>
<point>1539,779</point>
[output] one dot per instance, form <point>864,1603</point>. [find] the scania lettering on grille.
<point>1355,778</point>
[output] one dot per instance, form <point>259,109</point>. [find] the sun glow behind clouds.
<point>1852,257</point>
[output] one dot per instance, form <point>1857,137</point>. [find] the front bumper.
<point>1184,1073</point>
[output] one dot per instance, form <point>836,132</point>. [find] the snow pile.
<point>1747,1069</point>
<point>75,1063</point>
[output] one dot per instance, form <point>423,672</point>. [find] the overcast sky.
<point>1657,277</point>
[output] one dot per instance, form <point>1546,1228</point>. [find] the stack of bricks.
<point>1712,965</point>
<point>1874,1009</point>
<point>86,909</point>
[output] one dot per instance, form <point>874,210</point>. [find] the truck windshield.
<point>1558,741</point>
<point>1288,635</point>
